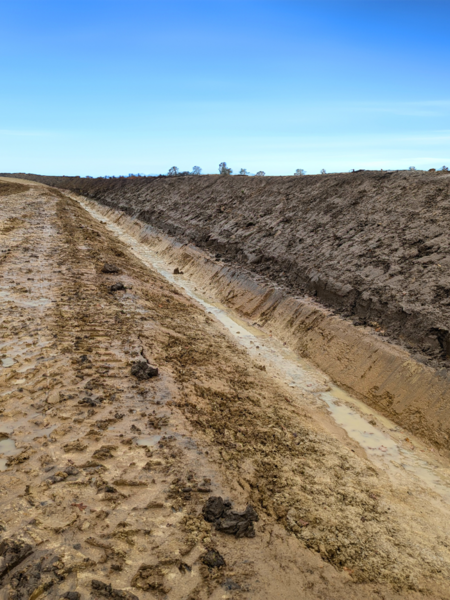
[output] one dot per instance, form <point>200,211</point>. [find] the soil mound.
<point>7,188</point>
<point>374,246</point>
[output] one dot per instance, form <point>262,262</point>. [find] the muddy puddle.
<point>7,449</point>
<point>8,361</point>
<point>386,444</point>
<point>148,440</point>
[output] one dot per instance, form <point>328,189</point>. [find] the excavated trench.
<point>387,444</point>
<point>371,247</point>
<point>106,476</point>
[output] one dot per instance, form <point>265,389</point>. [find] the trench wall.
<point>384,375</point>
<point>352,270</point>
<point>372,246</point>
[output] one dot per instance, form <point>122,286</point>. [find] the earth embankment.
<point>373,246</point>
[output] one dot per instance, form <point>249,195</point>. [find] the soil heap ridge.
<point>373,246</point>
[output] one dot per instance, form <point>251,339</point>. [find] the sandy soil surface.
<point>372,245</point>
<point>107,473</point>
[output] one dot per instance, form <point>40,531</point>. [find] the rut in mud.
<point>107,469</point>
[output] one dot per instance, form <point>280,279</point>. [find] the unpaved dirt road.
<point>106,474</point>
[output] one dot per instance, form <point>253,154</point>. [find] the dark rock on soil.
<point>90,401</point>
<point>12,553</point>
<point>72,595</point>
<point>220,512</point>
<point>142,370</point>
<point>71,470</point>
<point>229,584</point>
<point>104,452</point>
<point>109,268</point>
<point>62,475</point>
<point>214,508</point>
<point>117,287</point>
<point>106,590</point>
<point>213,559</point>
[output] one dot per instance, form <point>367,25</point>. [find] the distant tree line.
<point>225,170</point>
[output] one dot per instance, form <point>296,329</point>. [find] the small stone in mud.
<point>152,578</point>
<point>184,568</point>
<point>71,470</point>
<point>214,508</point>
<point>106,590</point>
<point>90,401</point>
<point>75,446</point>
<point>117,287</point>
<point>153,504</point>
<point>62,475</point>
<point>213,559</point>
<point>110,268</point>
<point>72,595</point>
<point>220,512</point>
<point>18,459</point>
<point>142,370</point>
<point>177,271</point>
<point>229,584</point>
<point>110,489</point>
<point>104,452</point>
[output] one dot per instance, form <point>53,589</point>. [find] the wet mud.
<point>103,494</point>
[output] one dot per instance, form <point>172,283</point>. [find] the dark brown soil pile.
<point>7,188</point>
<point>374,246</point>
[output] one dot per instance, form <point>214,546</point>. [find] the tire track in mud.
<point>111,473</point>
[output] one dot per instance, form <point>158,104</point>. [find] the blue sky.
<point>133,86</point>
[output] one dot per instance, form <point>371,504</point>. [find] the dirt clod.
<point>142,370</point>
<point>107,591</point>
<point>104,452</point>
<point>220,512</point>
<point>110,268</point>
<point>75,446</point>
<point>117,287</point>
<point>213,559</point>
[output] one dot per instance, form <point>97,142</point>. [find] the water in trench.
<point>7,449</point>
<point>385,443</point>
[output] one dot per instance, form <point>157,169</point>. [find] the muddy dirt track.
<point>374,246</point>
<point>107,473</point>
